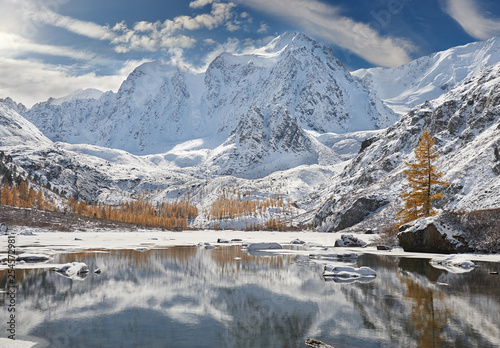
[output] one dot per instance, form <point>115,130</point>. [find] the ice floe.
<point>264,246</point>
<point>453,263</point>
<point>344,274</point>
<point>342,256</point>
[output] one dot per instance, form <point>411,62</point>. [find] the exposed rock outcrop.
<point>431,235</point>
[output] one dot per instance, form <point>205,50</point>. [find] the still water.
<point>192,297</point>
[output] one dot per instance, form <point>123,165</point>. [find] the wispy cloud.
<point>200,3</point>
<point>327,22</point>
<point>13,45</point>
<point>29,81</point>
<point>470,16</point>
<point>84,28</point>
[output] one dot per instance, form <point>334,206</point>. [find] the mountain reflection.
<point>190,297</point>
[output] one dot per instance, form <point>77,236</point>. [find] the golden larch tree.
<point>422,179</point>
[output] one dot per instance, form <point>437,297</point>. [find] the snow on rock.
<point>349,274</point>
<point>429,77</point>
<point>453,263</point>
<point>297,241</point>
<point>15,130</point>
<point>74,270</point>
<point>464,123</point>
<point>160,104</point>
<point>264,246</point>
<point>431,235</point>
<point>314,343</point>
<point>348,240</point>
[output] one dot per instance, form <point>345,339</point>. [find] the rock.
<point>370,232</point>
<point>98,271</point>
<point>264,246</point>
<point>297,241</point>
<point>431,235</point>
<point>314,343</point>
<point>348,240</point>
<point>3,228</point>
<point>206,245</point>
<point>338,215</point>
<point>383,247</point>
<point>236,240</point>
<point>74,270</point>
<point>220,240</point>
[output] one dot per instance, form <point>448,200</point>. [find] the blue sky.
<point>51,47</point>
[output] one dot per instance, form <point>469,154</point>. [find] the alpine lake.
<point>187,296</point>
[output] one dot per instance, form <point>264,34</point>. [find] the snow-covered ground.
<point>50,243</point>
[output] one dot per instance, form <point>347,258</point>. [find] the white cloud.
<point>200,3</point>
<point>84,28</point>
<point>470,17</point>
<point>29,81</point>
<point>326,22</point>
<point>263,28</point>
<point>164,35</point>
<point>13,45</point>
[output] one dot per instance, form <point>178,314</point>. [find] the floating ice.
<point>343,256</point>
<point>264,246</point>
<point>74,270</point>
<point>453,264</point>
<point>343,274</point>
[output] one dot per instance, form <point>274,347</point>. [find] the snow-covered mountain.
<point>267,141</point>
<point>465,123</point>
<point>15,130</point>
<point>429,77</point>
<point>160,106</point>
<point>286,120</point>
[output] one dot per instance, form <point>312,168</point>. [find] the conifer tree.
<point>422,179</point>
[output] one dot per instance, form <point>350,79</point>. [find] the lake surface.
<point>192,297</point>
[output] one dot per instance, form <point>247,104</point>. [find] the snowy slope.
<point>15,130</point>
<point>428,78</point>
<point>86,94</point>
<point>267,141</point>
<point>160,106</point>
<point>466,125</point>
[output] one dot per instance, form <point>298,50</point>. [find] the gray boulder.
<point>348,240</point>
<point>431,235</point>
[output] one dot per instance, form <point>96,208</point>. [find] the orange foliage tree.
<point>422,179</point>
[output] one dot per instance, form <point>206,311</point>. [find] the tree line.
<point>20,191</point>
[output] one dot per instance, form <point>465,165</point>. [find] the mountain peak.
<point>89,93</point>
<point>285,40</point>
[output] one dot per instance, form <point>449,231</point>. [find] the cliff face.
<point>465,123</point>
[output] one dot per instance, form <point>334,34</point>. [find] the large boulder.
<point>348,240</point>
<point>432,235</point>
